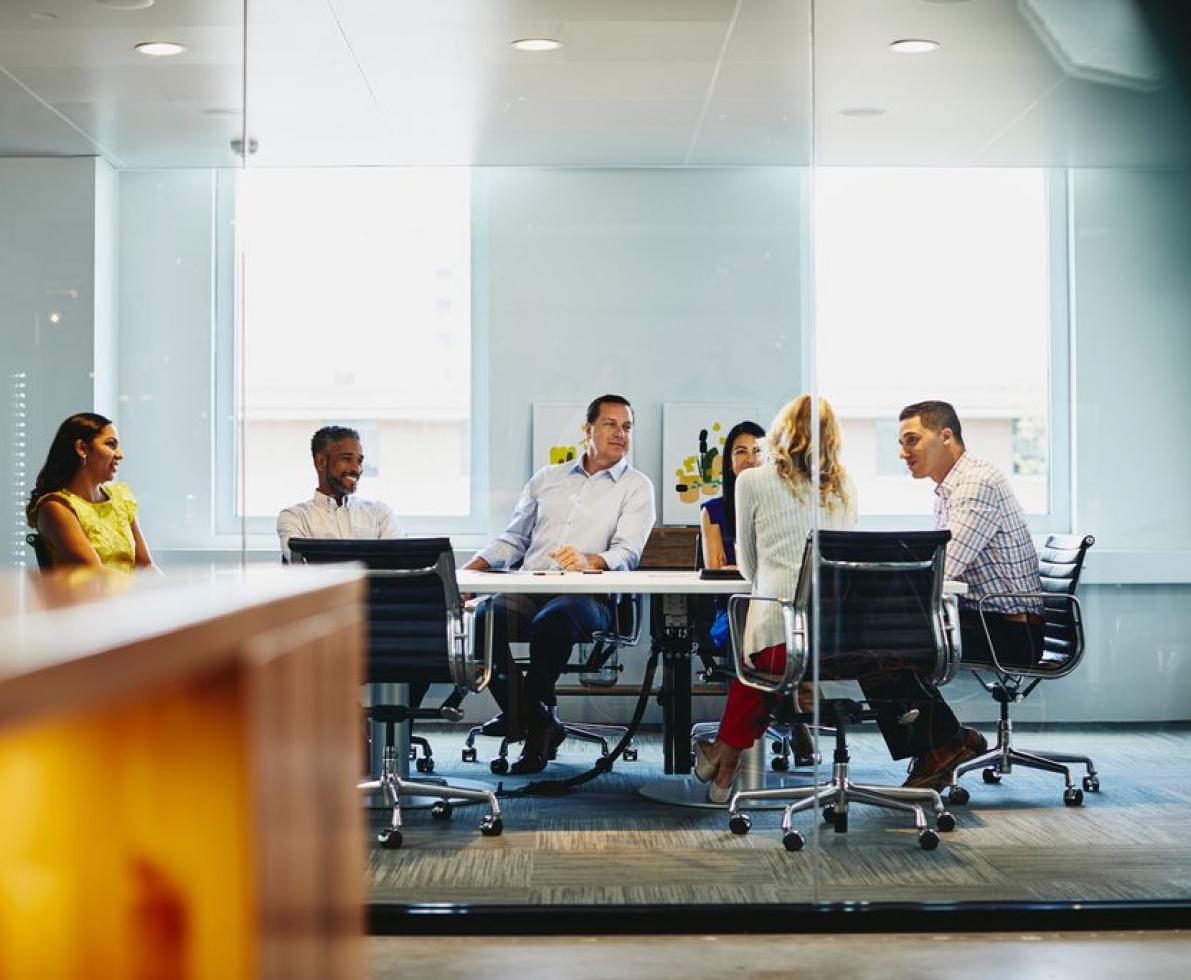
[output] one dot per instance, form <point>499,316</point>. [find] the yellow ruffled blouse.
<point>106,523</point>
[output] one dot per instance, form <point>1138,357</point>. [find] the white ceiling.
<point>636,83</point>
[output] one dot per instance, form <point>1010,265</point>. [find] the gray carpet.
<point>603,843</point>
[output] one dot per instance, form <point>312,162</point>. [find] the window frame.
<point>1060,371</point>
<point>231,274</point>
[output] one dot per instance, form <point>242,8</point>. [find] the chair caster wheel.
<point>777,747</point>
<point>792,840</point>
<point>945,822</point>
<point>739,823</point>
<point>441,810</point>
<point>1091,784</point>
<point>828,813</point>
<point>780,763</point>
<point>424,765</point>
<point>629,754</point>
<point>991,776</point>
<point>389,839</point>
<point>840,823</point>
<point>1073,796</point>
<point>499,766</point>
<point>958,796</point>
<point>928,840</point>
<point>491,826</point>
<point>469,754</point>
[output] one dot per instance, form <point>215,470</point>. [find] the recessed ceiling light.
<point>862,110</point>
<point>160,49</point>
<point>536,44</point>
<point>911,45</point>
<point>223,110</point>
<point>44,15</point>
<point>125,4</point>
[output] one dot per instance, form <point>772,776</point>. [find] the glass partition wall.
<point>392,218</point>
<point>1003,226</point>
<point>116,178</point>
<point>450,241</point>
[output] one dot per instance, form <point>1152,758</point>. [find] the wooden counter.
<point>177,768</point>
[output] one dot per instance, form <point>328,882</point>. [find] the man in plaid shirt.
<point>992,552</point>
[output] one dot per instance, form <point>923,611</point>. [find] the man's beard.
<point>341,489</point>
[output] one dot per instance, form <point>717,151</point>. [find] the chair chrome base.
<point>393,787</point>
<point>1002,757</point>
<point>834,798</point>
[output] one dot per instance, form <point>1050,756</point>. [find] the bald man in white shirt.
<point>335,511</point>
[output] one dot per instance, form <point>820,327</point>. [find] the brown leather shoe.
<point>541,745</point>
<point>933,770</point>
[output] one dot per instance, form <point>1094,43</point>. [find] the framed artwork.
<point>693,455</point>
<point>557,432</point>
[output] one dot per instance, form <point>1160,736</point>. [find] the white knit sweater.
<point>772,522</point>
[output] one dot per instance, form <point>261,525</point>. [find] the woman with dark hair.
<point>82,516</point>
<point>743,450</point>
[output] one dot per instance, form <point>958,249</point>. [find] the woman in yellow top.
<point>82,516</point>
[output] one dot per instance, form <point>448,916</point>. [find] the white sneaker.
<point>718,794</point>
<point>705,765</point>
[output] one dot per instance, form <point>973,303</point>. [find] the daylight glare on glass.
<point>935,284</point>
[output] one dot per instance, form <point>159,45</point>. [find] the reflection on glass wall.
<point>453,248</point>
<point>447,245</point>
<point>112,190</point>
<point>1022,266</point>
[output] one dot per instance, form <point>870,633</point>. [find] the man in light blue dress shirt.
<point>591,514</point>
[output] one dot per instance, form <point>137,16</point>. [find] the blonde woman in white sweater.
<point>775,510</point>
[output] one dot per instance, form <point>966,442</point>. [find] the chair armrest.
<point>952,650</point>
<point>614,638</point>
<point>469,672</point>
<point>1077,622</point>
<point>796,645</point>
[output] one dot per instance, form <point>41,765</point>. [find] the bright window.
<point>357,311</point>
<point>940,284</point>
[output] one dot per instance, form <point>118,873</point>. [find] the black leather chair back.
<point>407,616</point>
<point>1060,564</point>
<point>879,595</point>
<point>40,551</point>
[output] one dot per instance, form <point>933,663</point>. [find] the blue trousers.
<point>552,625</point>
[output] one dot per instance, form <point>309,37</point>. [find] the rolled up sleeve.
<point>510,545</point>
<point>636,520</point>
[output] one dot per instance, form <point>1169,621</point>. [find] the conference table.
<point>672,633</point>
<point>672,630</point>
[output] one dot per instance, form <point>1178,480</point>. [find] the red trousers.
<point>746,715</point>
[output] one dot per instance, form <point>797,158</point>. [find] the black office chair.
<point>419,631</point>
<point>1059,568</point>
<point>599,668</point>
<point>40,551</point>
<point>879,595</point>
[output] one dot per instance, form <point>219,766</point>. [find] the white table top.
<point>634,583</point>
<point>629,583</point>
